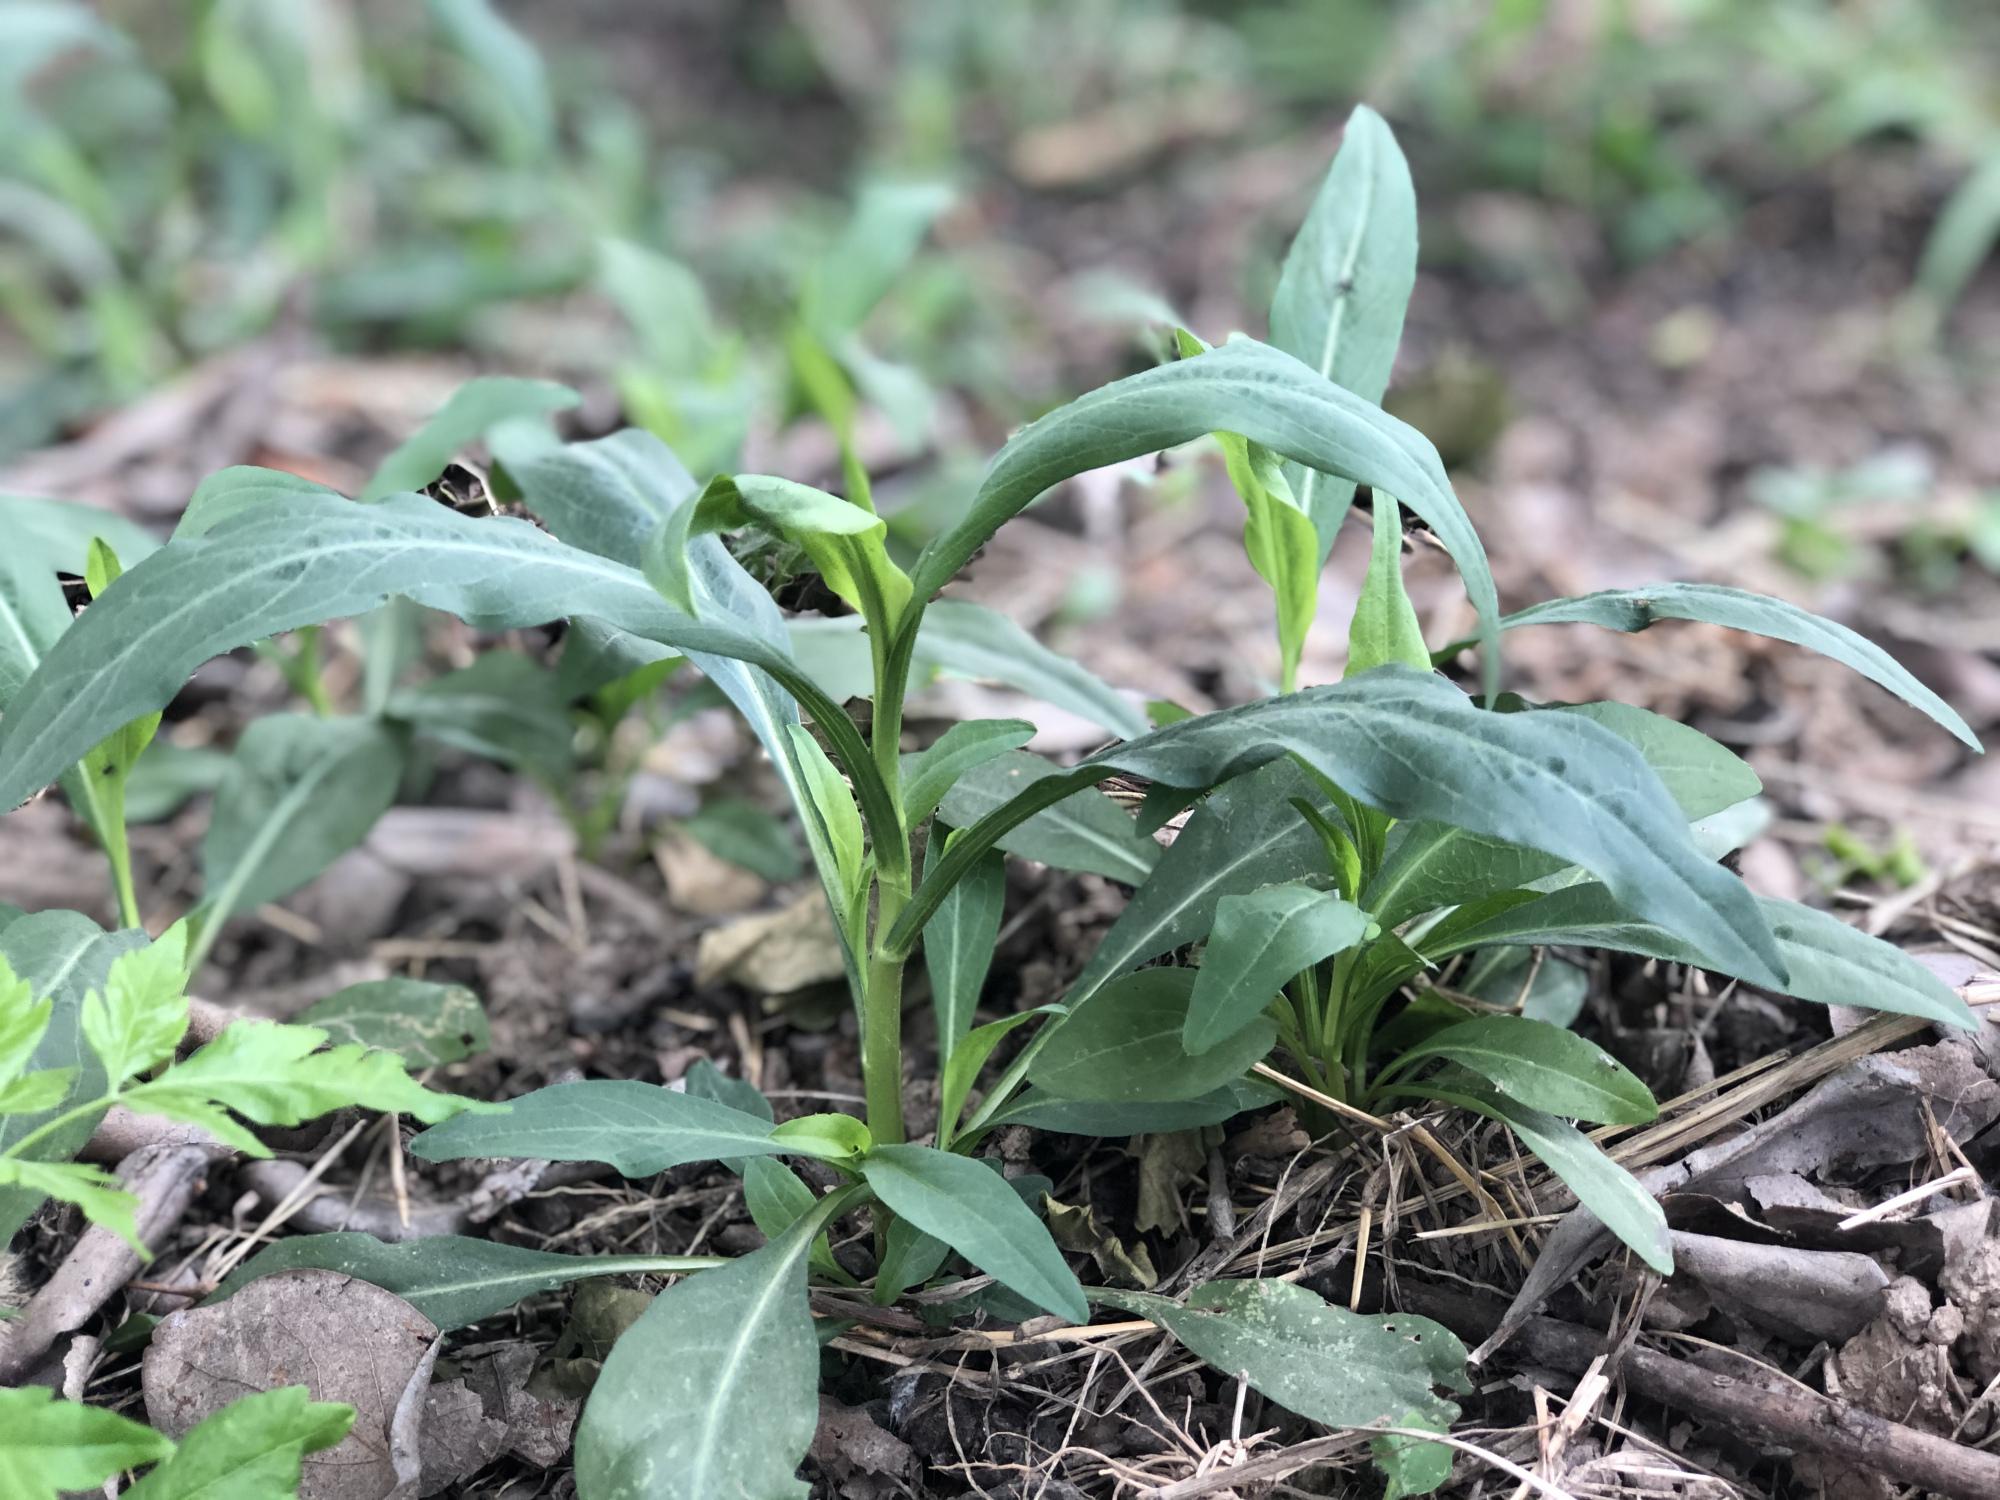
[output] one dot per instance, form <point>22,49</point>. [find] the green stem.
<point>119,852</point>
<point>882,1023</point>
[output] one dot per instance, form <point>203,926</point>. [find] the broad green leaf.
<point>451,1279</point>
<point>1600,1184</point>
<point>777,1199</point>
<point>1385,627</point>
<point>639,1128</point>
<point>99,1193</point>
<point>1260,942</point>
<point>1244,835</point>
<point>274,1075</point>
<point>1345,285</point>
<point>928,774</point>
<point>909,1258</point>
<point>1084,831</point>
<point>1327,1364</point>
<point>424,1023</point>
<point>137,1018</point>
<point>745,835</point>
<point>715,1390</point>
<point>1829,962</point>
<point>967,1057</point>
<point>1413,746</point>
<point>50,1447</point>
<point>1244,387</point>
<point>1430,865</point>
<point>705,1080</point>
<point>1535,1063</point>
<point>61,956</point>
<point>1631,610</point>
<point>889,222</point>
<point>970,640</point>
<point>972,1209</point>
<point>250,1450</point>
<point>958,948</point>
<point>1042,1110</point>
<point>473,408</point>
<point>606,496</point>
<point>504,706</point>
<point>169,776</point>
<point>301,792</point>
<point>1125,1046</point>
<point>232,491</point>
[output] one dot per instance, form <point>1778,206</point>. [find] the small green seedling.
<point>1344,840</point>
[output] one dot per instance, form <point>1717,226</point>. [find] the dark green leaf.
<point>639,1128</point>
<point>1261,941</point>
<point>745,835</point>
<point>973,1210</point>
<point>425,1024</point>
<point>452,1280</point>
<point>1085,831</point>
<point>504,706</point>
<point>928,774</point>
<point>958,948</point>
<point>1125,1046</point>
<point>1045,1111</point>
<point>1535,1063</point>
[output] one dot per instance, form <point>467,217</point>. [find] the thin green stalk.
<point>121,879</point>
<point>882,1023</point>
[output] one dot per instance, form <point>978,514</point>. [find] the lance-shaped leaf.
<point>503,706</point>
<point>1413,746</point>
<point>1244,387</point>
<point>1430,865</point>
<point>607,496</point>
<point>451,1279</point>
<point>473,408</point>
<point>1084,830</point>
<point>639,1128</point>
<point>1334,1366</point>
<point>1829,962</point>
<point>1384,628</point>
<point>1244,835</point>
<point>889,222</point>
<point>961,1067</point>
<point>970,640</point>
<point>239,488</point>
<point>972,1209</point>
<point>1538,1064</point>
<point>715,1390</point>
<point>1125,1046</point>
<point>301,791</point>
<point>309,558</point>
<point>1631,610</point>
<point>1260,942</point>
<point>928,774</point>
<point>1346,282</point>
<point>958,948</point>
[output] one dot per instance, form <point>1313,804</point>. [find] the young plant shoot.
<point>1346,842</point>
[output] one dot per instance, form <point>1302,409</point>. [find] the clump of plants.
<point>1341,842</point>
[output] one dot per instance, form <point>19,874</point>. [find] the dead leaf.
<point>702,883</point>
<point>1076,1229</point>
<point>774,953</point>
<point>1826,1294</point>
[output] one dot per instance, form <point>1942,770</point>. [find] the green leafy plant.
<point>1343,842</point>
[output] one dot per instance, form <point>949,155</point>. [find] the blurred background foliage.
<point>664,196</point>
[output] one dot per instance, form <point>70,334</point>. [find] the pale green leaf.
<point>424,1023</point>
<point>970,640</point>
<point>473,408</point>
<point>50,1447</point>
<point>1084,831</point>
<point>137,1018</point>
<point>97,1192</point>
<point>639,1128</point>
<point>249,1450</point>
<point>1385,627</point>
<point>504,706</point>
<point>928,774</point>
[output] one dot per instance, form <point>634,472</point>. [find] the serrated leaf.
<point>425,1024</point>
<point>973,1210</point>
<point>1244,387</point>
<point>137,1019</point>
<point>474,407</point>
<point>1327,1364</point>
<point>1412,746</point>
<point>273,1075</point>
<point>32,1093</point>
<point>23,1021</point>
<point>250,1450</point>
<point>1829,962</point>
<point>928,774</point>
<point>1244,835</point>
<point>1125,1046</point>
<point>1085,831</point>
<point>1545,1066</point>
<point>958,948</point>
<point>301,791</point>
<point>1631,610</point>
<point>1345,284</point>
<point>50,1447</point>
<point>639,1128</point>
<point>715,1389</point>
<point>451,1279</point>
<point>97,1192</point>
<point>1259,943</point>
